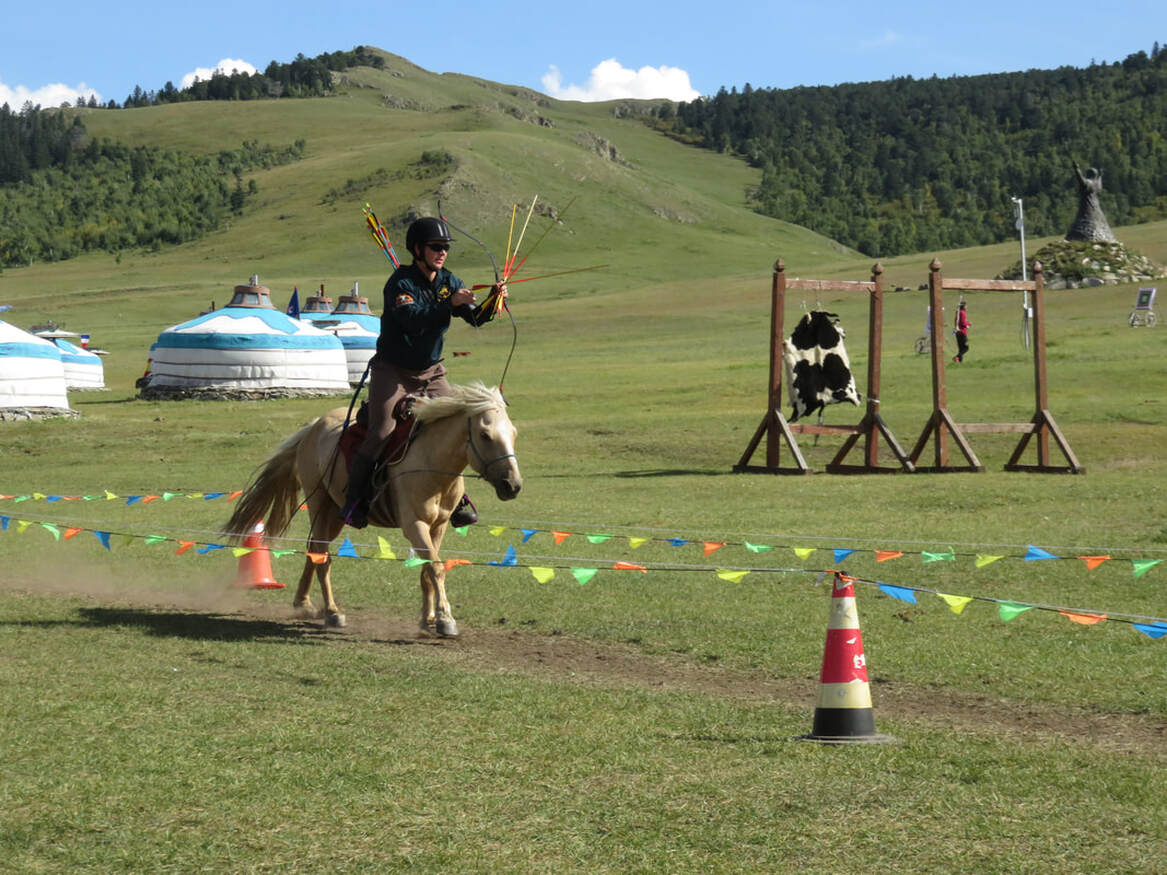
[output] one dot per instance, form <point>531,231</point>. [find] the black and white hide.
<point>818,372</point>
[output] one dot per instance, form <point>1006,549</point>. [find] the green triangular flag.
<point>1142,566</point>
<point>1008,610</point>
<point>583,575</point>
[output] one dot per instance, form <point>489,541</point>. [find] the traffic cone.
<point>843,714</point>
<point>255,567</point>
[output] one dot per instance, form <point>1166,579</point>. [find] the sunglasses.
<point>438,247</point>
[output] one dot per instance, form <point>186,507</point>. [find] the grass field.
<point>157,719</point>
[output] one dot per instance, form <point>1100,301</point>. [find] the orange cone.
<point>255,567</point>
<point>843,714</point>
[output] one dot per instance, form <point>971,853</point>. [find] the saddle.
<point>399,441</point>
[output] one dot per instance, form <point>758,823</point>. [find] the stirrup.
<point>465,514</point>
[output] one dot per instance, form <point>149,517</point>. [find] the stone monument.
<point>1090,224</point>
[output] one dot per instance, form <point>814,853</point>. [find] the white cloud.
<point>46,96</point>
<point>611,81</point>
<point>888,38</point>
<point>225,66</point>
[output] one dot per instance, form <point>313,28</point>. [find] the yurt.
<point>32,376</point>
<point>248,349</point>
<point>358,329</point>
<point>317,306</point>
<point>83,369</point>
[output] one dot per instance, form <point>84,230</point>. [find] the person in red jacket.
<point>961,332</point>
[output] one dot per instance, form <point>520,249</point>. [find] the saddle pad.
<point>353,436</point>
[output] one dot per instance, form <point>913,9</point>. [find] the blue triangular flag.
<point>294,310</point>
<point>133,499</point>
<point>1152,630</point>
<point>209,548</point>
<point>511,557</point>
<point>347,549</point>
<point>899,592</point>
<point>4,523</point>
<point>528,534</point>
<point>207,496</point>
<point>678,542</point>
<point>841,554</point>
<point>1036,553</point>
<point>104,538</point>
<point>53,498</point>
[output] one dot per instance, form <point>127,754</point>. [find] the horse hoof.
<point>335,621</point>
<point>447,628</point>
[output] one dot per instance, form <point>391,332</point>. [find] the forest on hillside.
<point>911,165</point>
<point>63,193</point>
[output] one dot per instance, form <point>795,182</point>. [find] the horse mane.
<point>470,399</point>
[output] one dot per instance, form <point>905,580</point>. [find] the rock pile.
<point>1075,264</point>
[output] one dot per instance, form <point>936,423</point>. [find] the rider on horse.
<point>419,300</point>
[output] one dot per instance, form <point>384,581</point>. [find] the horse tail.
<point>273,494</point>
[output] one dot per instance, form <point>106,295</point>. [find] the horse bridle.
<point>485,464</point>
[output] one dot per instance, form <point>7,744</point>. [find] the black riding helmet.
<point>426,230</point>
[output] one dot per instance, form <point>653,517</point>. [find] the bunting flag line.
<point>1032,553</point>
<point>1007,609</point>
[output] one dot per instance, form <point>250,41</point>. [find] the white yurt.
<point>83,369</point>
<point>317,306</point>
<point>248,349</point>
<point>358,329</point>
<point>32,376</point>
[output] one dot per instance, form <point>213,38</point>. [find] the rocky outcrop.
<point>1075,264</point>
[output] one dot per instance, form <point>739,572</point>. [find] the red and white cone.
<point>844,713</point>
<point>255,567</point>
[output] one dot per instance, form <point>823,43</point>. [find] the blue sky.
<point>598,49</point>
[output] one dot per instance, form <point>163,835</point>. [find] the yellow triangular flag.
<point>39,496</point>
<point>21,525</point>
<point>732,576</point>
<point>109,496</point>
<point>956,602</point>
<point>543,575</point>
<point>802,552</point>
<point>386,550</point>
<point>497,530</point>
<point>983,560</point>
<point>636,542</point>
<point>237,552</point>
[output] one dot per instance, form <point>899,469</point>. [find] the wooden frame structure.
<point>774,425</point>
<point>941,425</point>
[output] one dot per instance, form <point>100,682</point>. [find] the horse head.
<point>490,435</point>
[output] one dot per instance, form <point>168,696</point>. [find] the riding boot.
<point>465,514</point>
<point>359,493</point>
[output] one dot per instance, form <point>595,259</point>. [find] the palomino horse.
<point>470,426</point>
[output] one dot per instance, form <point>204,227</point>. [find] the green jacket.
<point>417,314</point>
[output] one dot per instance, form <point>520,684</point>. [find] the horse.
<point>417,494</point>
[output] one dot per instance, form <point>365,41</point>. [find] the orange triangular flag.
<point>560,537</point>
<point>318,558</point>
<point>713,546</point>
<point>183,546</point>
<point>1093,562</point>
<point>70,532</point>
<point>234,495</point>
<point>884,555</point>
<point>628,566</point>
<point>1084,619</point>
<point>450,563</point>
<point>150,498</point>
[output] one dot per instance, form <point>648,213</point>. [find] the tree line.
<point>303,77</point>
<point>63,193</point>
<point>911,165</point>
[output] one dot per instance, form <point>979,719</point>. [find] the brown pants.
<point>388,384</point>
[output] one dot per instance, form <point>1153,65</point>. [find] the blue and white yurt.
<point>83,369</point>
<point>317,306</point>
<point>358,329</point>
<point>247,349</point>
<point>32,376</point>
